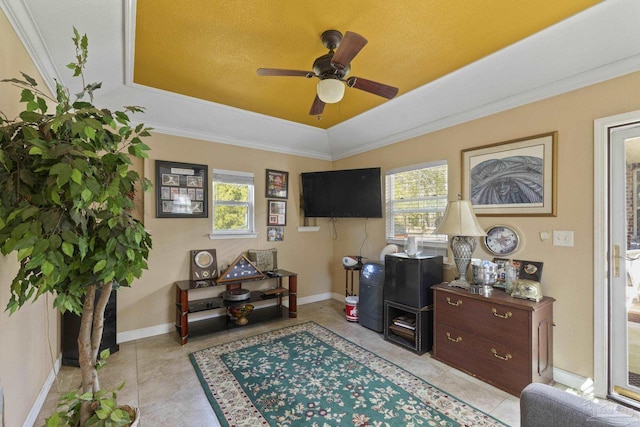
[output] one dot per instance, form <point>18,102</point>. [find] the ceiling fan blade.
<point>317,107</point>
<point>281,72</point>
<point>351,44</point>
<point>375,88</point>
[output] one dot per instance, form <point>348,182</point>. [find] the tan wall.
<point>151,300</point>
<point>568,271</point>
<point>25,357</point>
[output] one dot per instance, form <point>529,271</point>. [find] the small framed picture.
<point>277,213</point>
<point>275,234</point>
<point>502,265</point>
<point>277,184</point>
<point>530,270</point>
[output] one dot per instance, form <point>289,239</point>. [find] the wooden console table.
<point>184,306</point>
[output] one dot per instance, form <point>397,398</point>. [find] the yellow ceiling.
<point>211,49</point>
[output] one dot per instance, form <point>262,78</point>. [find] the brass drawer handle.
<point>502,316</point>
<point>455,304</point>
<point>458,339</point>
<point>495,354</point>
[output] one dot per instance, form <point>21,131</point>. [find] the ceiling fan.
<point>332,69</point>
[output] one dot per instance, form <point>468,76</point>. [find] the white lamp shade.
<point>330,91</point>
<point>459,220</point>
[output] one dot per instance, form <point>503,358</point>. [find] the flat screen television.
<point>350,193</point>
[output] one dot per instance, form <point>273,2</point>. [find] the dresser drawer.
<point>499,364</point>
<point>485,318</point>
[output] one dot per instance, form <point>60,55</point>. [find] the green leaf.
<point>26,95</point>
<point>88,396</point>
<point>24,252</point>
<point>47,268</point>
<point>69,236</point>
<point>32,106</point>
<point>68,248</point>
<point>111,245</point>
<point>35,261</point>
<point>100,265</point>
<point>90,132</point>
<point>29,212</point>
<point>109,277</point>
<point>53,420</point>
<point>30,80</point>
<point>83,246</point>
<point>30,116</point>
<point>86,194</point>
<point>42,104</point>
<point>76,176</point>
<point>102,414</point>
<point>59,168</point>
<point>55,241</point>
<point>55,197</point>
<point>104,354</point>
<point>35,151</point>
<point>63,178</point>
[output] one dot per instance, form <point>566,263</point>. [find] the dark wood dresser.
<point>505,341</point>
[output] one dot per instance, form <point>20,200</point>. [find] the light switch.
<point>562,238</point>
<point>544,235</point>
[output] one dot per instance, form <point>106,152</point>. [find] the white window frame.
<point>227,176</point>
<point>433,244</point>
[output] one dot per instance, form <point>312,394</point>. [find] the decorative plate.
<point>203,259</point>
<point>502,240</point>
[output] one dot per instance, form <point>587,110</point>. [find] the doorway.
<point>617,258</point>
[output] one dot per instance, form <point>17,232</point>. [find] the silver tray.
<point>236,295</point>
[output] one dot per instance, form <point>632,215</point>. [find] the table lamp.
<point>462,227</point>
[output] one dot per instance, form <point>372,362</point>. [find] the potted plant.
<point>65,210</point>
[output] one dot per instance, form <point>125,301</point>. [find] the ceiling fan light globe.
<point>330,91</point>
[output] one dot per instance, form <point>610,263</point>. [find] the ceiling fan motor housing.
<point>324,70</point>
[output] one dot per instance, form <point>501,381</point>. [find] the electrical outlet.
<point>562,238</point>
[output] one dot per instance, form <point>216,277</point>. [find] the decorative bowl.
<point>240,313</point>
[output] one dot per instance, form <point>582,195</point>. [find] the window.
<point>232,204</point>
<point>416,198</point>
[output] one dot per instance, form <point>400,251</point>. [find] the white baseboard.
<point>42,396</point>
<point>151,331</point>
<point>572,380</point>
<point>314,298</point>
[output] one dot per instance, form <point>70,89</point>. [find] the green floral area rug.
<point>305,375</point>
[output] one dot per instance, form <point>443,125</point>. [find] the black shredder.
<point>371,298</point>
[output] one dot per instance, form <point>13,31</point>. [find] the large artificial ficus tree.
<point>66,182</point>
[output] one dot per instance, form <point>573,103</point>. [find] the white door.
<point>624,261</point>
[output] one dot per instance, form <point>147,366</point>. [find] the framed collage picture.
<point>277,214</point>
<point>181,190</point>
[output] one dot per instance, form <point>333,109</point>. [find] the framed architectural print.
<point>277,214</point>
<point>181,190</point>
<point>277,184</point>
<point>512,178</point>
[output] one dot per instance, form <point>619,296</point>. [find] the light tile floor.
<point>162,383</point>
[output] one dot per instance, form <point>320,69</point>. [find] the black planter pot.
<point>71,328</point>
